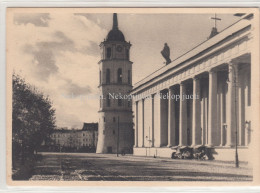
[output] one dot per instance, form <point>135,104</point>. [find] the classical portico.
<point>201,98</point>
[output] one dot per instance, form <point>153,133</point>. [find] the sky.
<point>59,52</point>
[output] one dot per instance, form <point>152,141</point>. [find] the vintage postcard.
<point>132,96</point>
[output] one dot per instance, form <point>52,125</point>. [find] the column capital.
<point>182,83</point>
<point>170,87</point>
<point>232,62</point>
<point>196,78</point>
<point>212,71</point>
<point>232,66</point>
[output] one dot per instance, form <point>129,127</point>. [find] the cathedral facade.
<point>115,81</point>
<point>203,97</point>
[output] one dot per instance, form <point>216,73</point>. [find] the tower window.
<point>100,77</point>
<point>108,75</point>
<point>119,102</point>
<point>108,53</point>
<point>129,103</point>
<point>108,101</point>
<point>119,75</point>
<point>129,77</point>
<point>127,54</point>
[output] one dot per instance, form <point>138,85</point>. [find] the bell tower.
<point>115,128</point>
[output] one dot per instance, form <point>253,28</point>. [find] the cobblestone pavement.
<point>105,167</point>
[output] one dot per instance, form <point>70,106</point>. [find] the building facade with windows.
<point>115,75</point>
<point>214,82</point>
<point>86,137</point>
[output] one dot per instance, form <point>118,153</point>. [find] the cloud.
<point>38,19</point>
<point>45,53</point>
<point>92,49</point>
<point>61,42</point>
<point>74,89</point>
<point>60,58</point>
<point>45,63</point>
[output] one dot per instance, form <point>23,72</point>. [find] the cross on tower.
<point>215,20</point>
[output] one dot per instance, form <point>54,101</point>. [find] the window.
<point>119,102</point>
<point>114,132</point>
<point>104,119</point>
<point>114,119</point>
<point>129,103</point>
<point>100,77</point>
<point>108,101</point>
<point>119,75</point>
<point>108,53</point>
<point>108,75</point>
<point>83,134</point>
<point>100,102</point>
<point>249,90</point>
<point>127,54</point>
<point>129,77</point>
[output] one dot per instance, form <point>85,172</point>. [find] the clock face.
<point>119,48</point>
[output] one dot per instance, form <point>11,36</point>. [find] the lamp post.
<point>235,84</point>
<point>233,70</point>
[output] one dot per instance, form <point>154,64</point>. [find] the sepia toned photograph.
<point>155,95</point>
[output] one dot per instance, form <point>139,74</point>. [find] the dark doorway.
<point>109,149</point>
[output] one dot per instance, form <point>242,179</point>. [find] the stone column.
<point>157,120</point>
<point>171,119</point>
<point>142,122</point>
<point>196,127</point>
<point>212,119</point>
<point>152,120</point>
<point>231,106</point>
<point>136,124</point>
<point>183,116</point>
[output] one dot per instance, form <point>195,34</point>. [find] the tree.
<point>33,117</point>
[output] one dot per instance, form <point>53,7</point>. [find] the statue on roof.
<point>166,53</point>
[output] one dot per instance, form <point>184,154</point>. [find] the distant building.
<point>86,137</point>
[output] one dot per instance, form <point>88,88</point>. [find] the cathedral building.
<point>115,81</point>
<point>203,97</point>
